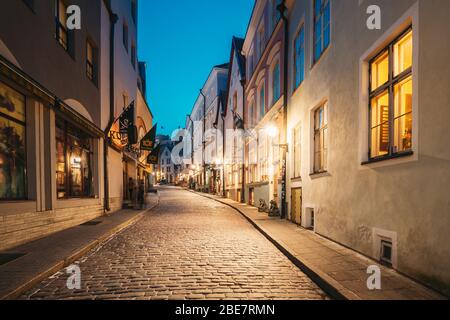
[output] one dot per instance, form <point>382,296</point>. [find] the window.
<point>133,55</point>
<point>91,63</point>
<point>235,102</point>
<point>261,41</point>
<point>12,145</point>
<point>299,58</point>
<point>134,10</point>
<point>391,92</point>
<point>262,102</point>
<point>276,91</point>
<point>61,28</point>
<point>125,36</point>
<point>73,162</point>
<point>386,253</point>
<point>320,139</point>
<point>321,27</point>
<point>251,118</point>
<point>297,152</point>
<point>276,15</point>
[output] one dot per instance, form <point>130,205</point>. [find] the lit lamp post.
<point>273,132</point>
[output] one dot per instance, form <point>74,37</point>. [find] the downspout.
<point>283,11</point>
<point>113,19</point>
<point>244,116</point>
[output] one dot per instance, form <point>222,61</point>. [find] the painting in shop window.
<point>12,144</point>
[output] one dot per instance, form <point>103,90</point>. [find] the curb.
<point>323,281</point>
<point>74,256</point>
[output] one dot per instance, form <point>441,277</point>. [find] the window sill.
<point>297,179</point>
<point>387,158</point>
<point>318,175</point>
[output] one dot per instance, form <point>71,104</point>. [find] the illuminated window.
<point>322,24</point>
<point>73,162</point>
<point>320,139</point>
<point>380,70</point>
<point>391,93</point>
<point>12,145</point>
<point>299,58</point>
<point>61,29</point>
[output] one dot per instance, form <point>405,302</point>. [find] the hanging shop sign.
<point>149,140</point>
<point>124,132</point>
<point>153,157</point>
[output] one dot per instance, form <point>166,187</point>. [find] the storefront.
<point>13,159</point>
<point>50,162</point>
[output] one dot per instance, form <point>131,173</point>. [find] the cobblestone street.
<point>189,247</point>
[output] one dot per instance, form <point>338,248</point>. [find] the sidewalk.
<point>340,271</point>
<point>44,257</point>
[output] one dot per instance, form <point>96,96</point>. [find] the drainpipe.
<point>244,116</point>
<point>113,19</point>
<point>283,11</point>
<point>203,137</point>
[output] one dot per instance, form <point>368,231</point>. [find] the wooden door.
<point>296,208</point>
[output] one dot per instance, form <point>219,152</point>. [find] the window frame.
<point>321,16</point>
<point>321,131</point>
<point>389,87</point>
<point>59,25</point>
<point>92,64</point>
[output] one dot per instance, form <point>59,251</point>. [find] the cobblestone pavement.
<point>189,247</point>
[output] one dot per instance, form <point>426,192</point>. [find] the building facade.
<point>366,128</point>
<point>167,171</point>
<point>234,119</point>
<point>264,51</point>
<point>57,87</point>
<point>207,146</point>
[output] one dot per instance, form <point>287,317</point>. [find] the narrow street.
<point>189,247</point>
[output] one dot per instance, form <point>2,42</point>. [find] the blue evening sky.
<point>181,40</point>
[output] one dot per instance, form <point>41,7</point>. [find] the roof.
<point>236,47</point>
<point>238,44</point>
<point>222,66</point>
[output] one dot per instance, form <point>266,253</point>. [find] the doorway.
<point>296,208</point>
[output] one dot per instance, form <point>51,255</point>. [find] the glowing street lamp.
<point>272,131</point>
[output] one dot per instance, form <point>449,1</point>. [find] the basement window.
<point>386,253</point>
